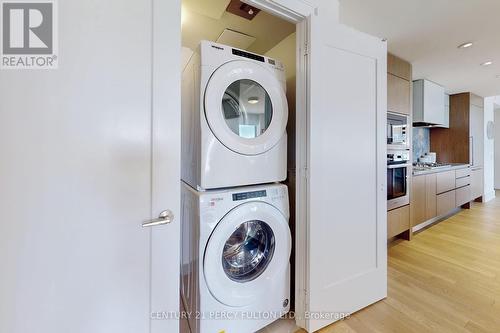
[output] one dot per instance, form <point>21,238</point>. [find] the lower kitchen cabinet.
<point>430,196</point>
<point>445,202</point>
<point>423,199</point>
<point>462,195</point>
<point>418,200</point>
<point>477,186</point>
<point>398,221</point>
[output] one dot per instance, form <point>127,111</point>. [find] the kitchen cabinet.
<point>398,221</point>
<point>436,194</point>
<point>398,94</point>
<point>463,141</point>
<point>446,111</point>
<point>423,199</point>
<point>445,202</point>
<point>477,182</point>
<point>445,181</point>
<point>428,104</point>
<point>418,200</point>
<point>399,84</point>
<point>476,148</point>
<point>430,196</point>
<point>462,195</point>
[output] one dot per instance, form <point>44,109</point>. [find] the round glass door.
<point>248,251</point>
<point>247,108</point>
<point>249,247</point>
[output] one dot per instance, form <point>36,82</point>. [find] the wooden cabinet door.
<point>398,221</point>
<point>445,181</point>
<point>398,94</point>
<point>430,196</point>
<point>445,202</point>
<point>418,200</point>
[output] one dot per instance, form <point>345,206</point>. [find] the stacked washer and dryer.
<point>236,240</point>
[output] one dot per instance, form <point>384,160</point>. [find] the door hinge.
<point>306,49</point>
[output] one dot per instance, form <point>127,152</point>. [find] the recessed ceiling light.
<point>465,45</point>
<point>487,63</point>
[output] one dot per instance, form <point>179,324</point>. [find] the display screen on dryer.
<point>249,195</point>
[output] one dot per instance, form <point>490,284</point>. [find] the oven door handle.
<point>397,166</point>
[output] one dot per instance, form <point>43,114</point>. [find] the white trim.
<point>165,159</point>
<point>489,196</point>
<point>290,10</point>
<point>302,158</point>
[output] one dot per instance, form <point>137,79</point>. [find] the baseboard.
<point>489,196</point>
<point>435,220</point>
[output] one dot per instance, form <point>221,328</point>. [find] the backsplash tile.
<point>421,142</point>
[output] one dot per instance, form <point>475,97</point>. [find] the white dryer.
<point>234,116</point>
<point>236,244</point>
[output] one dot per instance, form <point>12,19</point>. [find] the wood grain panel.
<point>452,144</point>
<point>398,94</point>
<point>445,202</point>
<point>430,196</point>
<point>398,221</point>
<point>399,67</point>
<point>418,200</point>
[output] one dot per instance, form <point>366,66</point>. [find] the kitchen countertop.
<point>453,166</point>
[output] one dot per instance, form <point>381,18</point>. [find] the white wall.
<point>489,153</point>
<point>497,149</point>
<point>285,52</point>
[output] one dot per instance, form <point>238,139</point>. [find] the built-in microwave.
<point>397,131</point>
<point>398,170</point>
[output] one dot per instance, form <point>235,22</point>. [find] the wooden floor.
<point>447,279</point>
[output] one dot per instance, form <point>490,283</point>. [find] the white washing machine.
<point>235,272</point>
<point>234,116</point>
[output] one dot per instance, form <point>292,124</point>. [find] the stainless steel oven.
<point>397,131</point>
<point>398,171</point>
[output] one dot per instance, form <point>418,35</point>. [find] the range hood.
<point>429,105</point>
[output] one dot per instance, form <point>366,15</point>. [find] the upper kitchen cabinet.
<point>398,85</point>
<point>429,108</point>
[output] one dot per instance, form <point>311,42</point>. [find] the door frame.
<point>166,128</point>
<point>299,13</point>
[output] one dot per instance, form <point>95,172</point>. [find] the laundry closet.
<point>238,168</point>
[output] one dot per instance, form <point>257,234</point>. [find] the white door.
<point>347,183</point>
<point>82,166</point>
<point>254,110</point>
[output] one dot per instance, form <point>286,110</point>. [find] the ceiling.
<point>207,19</point>
<point>427,33</point>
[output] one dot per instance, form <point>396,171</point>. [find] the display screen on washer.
<point>249,195</point>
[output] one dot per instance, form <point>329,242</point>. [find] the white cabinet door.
<point>347,186</point>
<point>477,135</point>
<point>477,182</point>
<point>82,167</point>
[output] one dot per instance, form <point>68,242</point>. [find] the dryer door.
<point>248,249</point>
<point>246,107</point>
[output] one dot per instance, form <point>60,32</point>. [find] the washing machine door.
<point>247,251</point>
<point>246,107</point>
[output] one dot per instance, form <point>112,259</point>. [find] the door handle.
<point>165,217</point>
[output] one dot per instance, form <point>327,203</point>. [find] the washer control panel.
<point>249,195</point>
